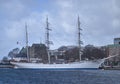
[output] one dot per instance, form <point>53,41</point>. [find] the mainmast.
<point>48,42</point>
<point>79,39</point>
<point>28,58</point>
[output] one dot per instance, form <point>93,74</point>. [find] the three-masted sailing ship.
<point>69,66</point>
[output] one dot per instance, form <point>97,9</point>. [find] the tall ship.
<point>81,64</point>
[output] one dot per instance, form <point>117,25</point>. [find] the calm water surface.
<point>36,76</point>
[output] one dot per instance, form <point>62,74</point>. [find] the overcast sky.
<point>100,21</point>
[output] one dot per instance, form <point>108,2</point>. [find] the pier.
<point>112,68</point>
<point>6,65</point>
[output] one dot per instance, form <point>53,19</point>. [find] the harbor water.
<point>36,76</point>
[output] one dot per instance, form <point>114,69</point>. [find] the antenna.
<point>27,42</point>
<point>48,42</point>
<point>40,41</point>
<point>79,39</point>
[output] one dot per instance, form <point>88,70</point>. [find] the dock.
<point>6,65</point>
<point>111,68</point>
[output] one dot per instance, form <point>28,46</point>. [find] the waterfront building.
<point>56,56</point>
<point>117,41</point>
<point>38,52</point>
<point>114,49</point>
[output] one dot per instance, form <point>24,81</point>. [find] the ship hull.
<point>70,66</point>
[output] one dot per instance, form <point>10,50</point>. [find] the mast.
<point>79,39</point>
<point>48,42</point>
<point>27,42</point>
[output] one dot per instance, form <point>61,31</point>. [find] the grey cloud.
<point>99,20</point>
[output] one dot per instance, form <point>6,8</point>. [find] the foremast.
<point>79,39</point>
<point>28,58</point>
